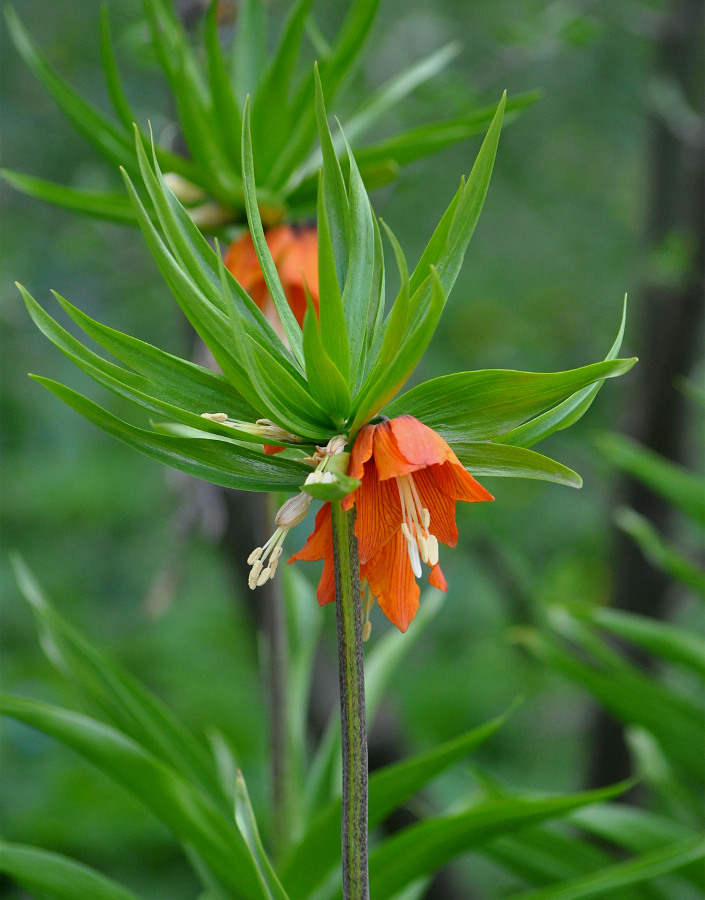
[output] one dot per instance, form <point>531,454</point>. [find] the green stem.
<point>352,705</point>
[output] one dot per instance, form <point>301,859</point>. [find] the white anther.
<point>425,518</point>
<point>405,531</point>
<point>220,418</point>
<point>254,556</point>
<point>414,558</point>
<point>423,547</point>
<point>432,550</point>
<point>276,553</point>
<point>264,577</point>
<point>366,630</point>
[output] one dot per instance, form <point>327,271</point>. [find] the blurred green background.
<point>567,229</point>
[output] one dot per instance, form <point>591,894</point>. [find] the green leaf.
<point>55,877</point>
<point>226,108</point>
<point>219,462</point>
<point>118,99</point>
<point>504,461</point>
<point>327,385</point>
<point>467,211</point>
<point>657,550</point>
<point>383,383</point>
<point>641,869</point>
<point>569,411</point>
<point>103,205</point>
<point>423,140</point>
<point>246,822</point>
<point>633,697</point>
<point>176,802</point>
<point>270,132</point>
<point>483,405</point>
<point>335,195</point>
<point>662,639</point>
<point>425,847</point>
<point>112,692</point>
<point>389,788</point>
<point>170,378</point>
<point>378,104</point>
<point>334,332</point>
<point>358,287</point>
<point>249,50</point>
<point>675,484</point>
<point>269,270</point>
<point>86,119</point>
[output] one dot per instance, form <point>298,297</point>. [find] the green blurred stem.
<point>275,628</point>
<point>352,705</point>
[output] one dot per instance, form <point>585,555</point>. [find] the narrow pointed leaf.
<point>170,797</point>
<point>269,270</point>
<point>658,551</point>
<point>389,788</point>
<point>334,332</point>
<point>86,119</point>
<point>482,405</point>
<point>249,50</point>
<point>425,847</point>
<point>246,822</point>
<point>112,692</point>
<point>609,881</point>
<point>226,107</point>
<point>112,207</point>
<point>675,484</point>
<point>504,461</point>
<point>335,195</point>
<point>569,411</point>
<point>56,877</point>
<point>327,385</point>
<point>213,460</point>
<point>122,108</point>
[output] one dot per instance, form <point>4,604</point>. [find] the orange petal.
<point>420,445</point>
<point>389,458</point>
<point>319,545</point>
<point>271,449</point>
<point>241,259</point>
<point>440,506</point>
<point>378,511</point>
<point>392,582</point>
<point>455,481</point>
<point>299,262</point>
<point>360,453</point>
<point>436,578</point>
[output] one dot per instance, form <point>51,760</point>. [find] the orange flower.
<point>411,480</point>
<point>295,254</point>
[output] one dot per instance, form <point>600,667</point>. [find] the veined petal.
<point>440,505</point>
<point>436,578</point>
<point>360,453</point>
<point>455,481</point>
<point>392,582</point>
<point>404,445</point>
<point>319,545</point>
<point>378,512</point>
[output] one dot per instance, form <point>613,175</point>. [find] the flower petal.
<point>455,481</point>
<point>439,504</point>
<point>361,451</point>
<point>392,582</point>
<point>378,509</point>
<point>436,578</point>
<point>319,545</point>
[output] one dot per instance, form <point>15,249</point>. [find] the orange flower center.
<point>416,520</point>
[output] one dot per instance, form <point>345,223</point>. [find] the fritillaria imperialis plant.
<point>313,406</point>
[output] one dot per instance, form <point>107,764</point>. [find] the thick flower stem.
<point>352,705</point>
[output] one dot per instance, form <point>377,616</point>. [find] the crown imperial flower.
<point>295,254</point>
<point>410,483</point>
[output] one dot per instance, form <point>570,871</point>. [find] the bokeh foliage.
<point>558,243</point>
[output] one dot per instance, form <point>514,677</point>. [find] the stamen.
<point>416,520</point>
<point>290,513</point>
